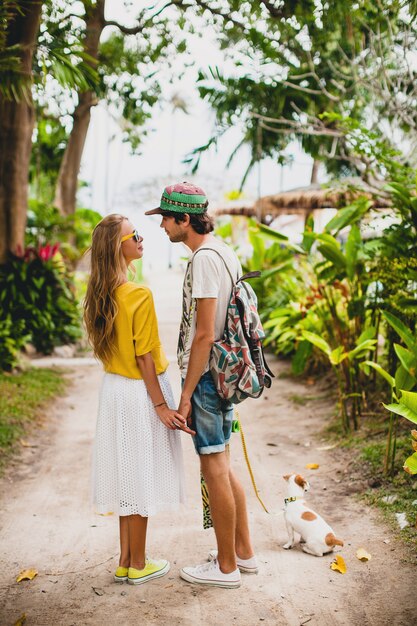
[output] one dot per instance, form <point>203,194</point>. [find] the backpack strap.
<point>192,305</point>
<point>255,274</point>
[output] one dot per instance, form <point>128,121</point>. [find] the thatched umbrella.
<point>305,200</point>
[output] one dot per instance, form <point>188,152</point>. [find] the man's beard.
<point>178,238</point>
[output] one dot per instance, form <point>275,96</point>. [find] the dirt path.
<point>47,523</point>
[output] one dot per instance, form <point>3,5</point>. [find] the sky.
<point>121,182</point>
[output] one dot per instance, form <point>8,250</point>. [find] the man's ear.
<point>186,220</point>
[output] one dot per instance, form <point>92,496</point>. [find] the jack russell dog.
<point>317,537</point>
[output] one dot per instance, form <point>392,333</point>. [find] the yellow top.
<point>136,332</point>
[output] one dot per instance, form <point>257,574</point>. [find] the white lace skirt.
<point>137,461</point>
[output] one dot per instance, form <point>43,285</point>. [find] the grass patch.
<point>296,398</point>
<point>368,447</point>
<point>285,374</point>
<point>303,399</point>
<point>402,498</point>
<point>22,396</point>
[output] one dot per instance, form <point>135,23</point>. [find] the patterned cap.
<point>182,198</point>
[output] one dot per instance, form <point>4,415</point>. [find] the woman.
<point>137,467</point>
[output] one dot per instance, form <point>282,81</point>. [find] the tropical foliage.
<point>296,67</point>
<point>38,302</point>
<point>345,299</point>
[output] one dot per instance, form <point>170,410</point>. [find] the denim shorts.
<point>211,417</point>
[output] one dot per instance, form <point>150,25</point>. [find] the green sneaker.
<point>152,569</point>
<point>120,575</point>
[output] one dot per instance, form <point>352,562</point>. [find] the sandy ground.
<point>47,523</point>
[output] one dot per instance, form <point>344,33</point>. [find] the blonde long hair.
<point>107,268</point>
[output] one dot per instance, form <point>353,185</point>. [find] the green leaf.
<point>224,231</point>
<point>409,399</point>
<point>364,346</point>
<point>407,303</point>
<point>353,245</point>
<point>317,341</point>
<point>404,411</point>
<point>337,355</point>
<point>303,352</point>
<point>381,372</point>
<point>282,311</point>
<point>369,333</point>
<point>407,406</point>
<point>401,329</point>
<point>332,253</point>
<point>410,464</point>
<point>258,246</point>
<point>348,215</point>
<point>403,380</point>
<point>270,233</point>
<point>408,359</point>
<point>399,191</point>
<point>308,240</point>
<point>274,270</point>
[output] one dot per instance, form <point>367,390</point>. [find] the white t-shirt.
<point>206,277</point>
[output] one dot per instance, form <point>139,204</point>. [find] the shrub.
<point>12,340</point>
<point>72,232</point>
<point>37,296</point>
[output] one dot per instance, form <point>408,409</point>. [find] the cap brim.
<point>157,211</point>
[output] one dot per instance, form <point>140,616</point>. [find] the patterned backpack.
<point>237,361</point>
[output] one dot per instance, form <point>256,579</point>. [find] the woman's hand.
<point>172,419</point>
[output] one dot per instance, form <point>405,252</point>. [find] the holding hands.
<point>172,419</point>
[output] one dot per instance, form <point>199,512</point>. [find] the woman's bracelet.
<point>155,406</point>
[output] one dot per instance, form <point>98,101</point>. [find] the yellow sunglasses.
<point>135,235</point>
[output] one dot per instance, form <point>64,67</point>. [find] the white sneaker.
<point>249,566</point>
<point>211,574</point>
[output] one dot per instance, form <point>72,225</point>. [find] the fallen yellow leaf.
<point>21,620</point>
<point>27,574</point>
<point>363,555</point>
<point>414,434</point>
<point>339,565</point>
<point>106,514</point>
<point>312,466</point>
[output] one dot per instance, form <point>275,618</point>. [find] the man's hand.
<point>173,420</point>
<point>185,408</point>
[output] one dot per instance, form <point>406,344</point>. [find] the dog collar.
<point>292,499</point>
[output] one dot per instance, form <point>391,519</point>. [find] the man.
<point>206,292</point>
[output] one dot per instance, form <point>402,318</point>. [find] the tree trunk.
<point>16,126</point>
<point>314,172</point>
<point>313,180</point>
<point>67,184</point>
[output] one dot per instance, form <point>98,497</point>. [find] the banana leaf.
<point>402,330</point>
<point>317,341</point>
<point>353,246</point>
<point>390,379</point>
<point>302,354</point>
<point>404,380</point>
<point>348,215</point>
<point>332,253</point>
<point>410,464</point>
<point>407,358</point>
<point>362,348</point>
